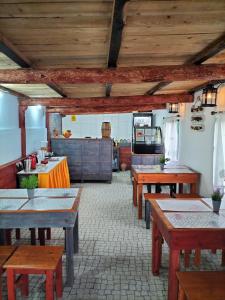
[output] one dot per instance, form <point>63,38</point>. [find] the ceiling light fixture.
<point>209,96</point>
<point>173,108</point>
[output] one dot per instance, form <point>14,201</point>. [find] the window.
<point>219,151</point>
<point>171,139</point>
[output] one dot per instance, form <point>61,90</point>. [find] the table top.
<point>52,163</point>
<point>188,214</point>
<point>54,200</point>
<point>155,169</point>
<point>41,192</point>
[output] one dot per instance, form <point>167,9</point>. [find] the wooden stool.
<point>201,285</point>
<point>36,260</point>
<point>150,196</point>
<point>5,253</point>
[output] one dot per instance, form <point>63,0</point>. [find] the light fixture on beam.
<point>209,96</point>
<point>173,108</point>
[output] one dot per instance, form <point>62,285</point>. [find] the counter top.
<point>52,163</point>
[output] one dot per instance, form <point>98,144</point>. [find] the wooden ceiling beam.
<point>117,25</point>
<point>103,110</point>
<point>17,57</point>
<point>210,50</point>
<point>12,92</point>
<point>112,101</point>
<point>119,75</point>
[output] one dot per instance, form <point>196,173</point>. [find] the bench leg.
<point>17,233</point>
<point>49,285</point>
<point>59,288</point>
<point>48,233</point>
<point>10,284</point>
<point>24,285</point>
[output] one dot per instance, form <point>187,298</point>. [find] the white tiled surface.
<point>114,261</point>
<point>182,205</point>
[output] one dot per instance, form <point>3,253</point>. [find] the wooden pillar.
<point>48,130</point>
<point>22,110</point>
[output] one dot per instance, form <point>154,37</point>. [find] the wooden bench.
<point>5,253</point>
<point>35,260</point>
<point>149,196</point>
<point>201,285</point>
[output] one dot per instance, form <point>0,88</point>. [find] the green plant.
<point>29,182</point>
<point>163,160</point>
<point>217,195</point>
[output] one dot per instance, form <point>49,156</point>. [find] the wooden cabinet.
<point>125,156</point>
<point>88,159</point>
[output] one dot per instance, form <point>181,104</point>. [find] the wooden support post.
<point>48,130</point>
<point>22,110</point>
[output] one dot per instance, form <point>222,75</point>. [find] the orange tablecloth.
<point>57,178</point>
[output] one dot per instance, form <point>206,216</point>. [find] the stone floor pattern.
<point>114,260</point>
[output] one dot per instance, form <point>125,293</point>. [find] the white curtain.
<point>219,151</point>
<point>171,139</point>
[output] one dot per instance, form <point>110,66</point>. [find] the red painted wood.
<point>49,285</point>
<point>139,192</point>
<point>117,75</point>
<point>8,175</point>
<point>106,101</point>
<point>59,288</point>
<point>156,249</point>
<point>10,284</point>
<point>134,192</point>
<point>172,280</point>
<point>22,110</point>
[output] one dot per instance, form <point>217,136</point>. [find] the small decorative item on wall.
<point>73,118</point>
<point>197,118</point>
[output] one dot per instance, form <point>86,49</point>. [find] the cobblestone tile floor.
<point>114,261</point>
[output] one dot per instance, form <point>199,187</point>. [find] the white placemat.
<point>182,205</point>
<point>196,220</point>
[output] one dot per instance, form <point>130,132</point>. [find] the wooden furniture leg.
<point>174,265</point>
<point>10,284</point>
<point>135,192</point>
<point>156,249</point>
<point>223,257</point>
<point>140,190</point>
<point>49,285</point>
<point>69,256</point>
<point>181,295</point>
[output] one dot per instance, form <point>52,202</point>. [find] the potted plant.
<point>162,161</point>
<point>30,183</point>
<point>217,196</point>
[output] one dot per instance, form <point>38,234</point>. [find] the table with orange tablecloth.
<point>54,175</point>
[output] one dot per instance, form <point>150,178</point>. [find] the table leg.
<point>76,234</point>
<point>140,189</point>
<point>147,213</point>
<point>69,256</point>
<point>135,192</point>
<point>2,237</point>
<point>193,188</point>
<point>180,188</point>
<point>174,265</point>
<point>156,249</point>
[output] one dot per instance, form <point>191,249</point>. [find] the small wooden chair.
<point>5,253</point>
<point>150,196</point>
<point>201,285</point>
<point>36,260</point>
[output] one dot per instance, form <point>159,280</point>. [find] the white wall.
<point>10,135</point>
<point>35,128</point>
<point>90,125</point>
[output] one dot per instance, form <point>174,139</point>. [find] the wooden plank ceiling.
<point>87,34</point>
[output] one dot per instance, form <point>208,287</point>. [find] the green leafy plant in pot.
<point>162,161</point>
<point>217,196</point>
<point>30,183</point>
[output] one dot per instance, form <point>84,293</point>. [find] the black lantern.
<point>173,108</point>
<point>209,96</point>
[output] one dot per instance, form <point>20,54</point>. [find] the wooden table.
<point>149,174</point>
<point>55,174</point>
<point>183,231</point>
<point>49,208</point>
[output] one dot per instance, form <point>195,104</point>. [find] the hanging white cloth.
<point>219,151</point>
<point>171,139</point>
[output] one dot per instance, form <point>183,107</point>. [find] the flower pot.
<point>162,167</point>
<point>30,193</point>
<point>216,205</point>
